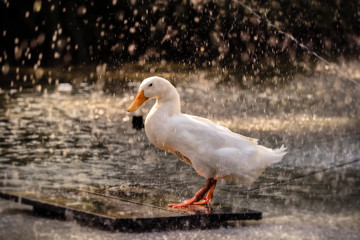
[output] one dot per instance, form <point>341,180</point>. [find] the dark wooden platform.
<point>119,214</point>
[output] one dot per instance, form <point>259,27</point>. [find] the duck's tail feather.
<point>280,151</point>
<point>271,156</point>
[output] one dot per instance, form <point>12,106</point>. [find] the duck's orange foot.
<point>192,201</point>
<point>207,200</point>
<point>183,204</point>
<point>199,198</point>
<point>203,201</point>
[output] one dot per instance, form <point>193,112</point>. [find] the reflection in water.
<point>83,137</point>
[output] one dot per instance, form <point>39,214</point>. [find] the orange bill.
<point>139,100</point>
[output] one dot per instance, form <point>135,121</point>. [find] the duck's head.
<point>152,87</point>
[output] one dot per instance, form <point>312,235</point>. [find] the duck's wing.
<point>202,135</point>
<point>225,130</point>
<point>199,138</point>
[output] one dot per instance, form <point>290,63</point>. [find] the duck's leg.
<point>209,196</point>
<point>199,195</point>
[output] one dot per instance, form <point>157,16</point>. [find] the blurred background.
<point>285,72</point>
<point>197,34</point>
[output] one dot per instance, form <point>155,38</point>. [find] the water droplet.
<point>5,69</point>
<point>56,55</point>
<point>37,6</point>
<point>132,48</point>
<point>132,30</point>
<point>81,10</point>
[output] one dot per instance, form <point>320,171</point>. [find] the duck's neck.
<point>168,104</point>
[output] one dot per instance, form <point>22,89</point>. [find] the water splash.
<point>260,17</point>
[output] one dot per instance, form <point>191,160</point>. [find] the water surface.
<point>79,135</point>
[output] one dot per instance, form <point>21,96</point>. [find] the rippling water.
<point>75,136</point>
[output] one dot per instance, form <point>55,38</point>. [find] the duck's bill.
<point>139,100</point>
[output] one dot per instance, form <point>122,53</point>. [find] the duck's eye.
<point>150,84</point>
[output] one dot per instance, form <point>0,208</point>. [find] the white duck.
<point>215,152</point>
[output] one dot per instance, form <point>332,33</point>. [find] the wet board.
<point>91,208</point>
